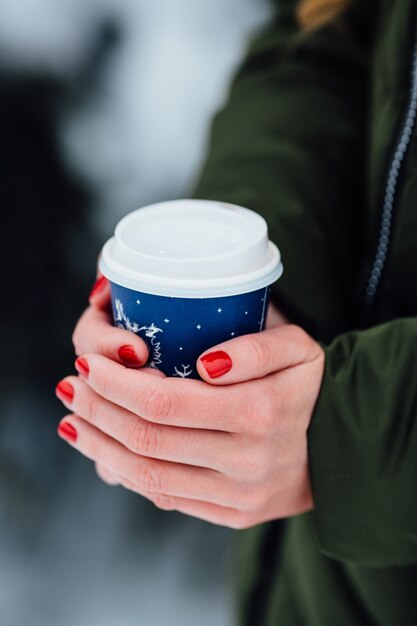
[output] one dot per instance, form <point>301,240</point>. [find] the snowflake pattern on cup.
<point>151,331</point>
<point>178,330</point>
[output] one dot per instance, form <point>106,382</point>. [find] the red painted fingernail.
<point>217,363</point>
<point>128,355</point>
<point>65,391</point>
<point>98,286</point>
<point>82,367</point>
<point>67,431</point>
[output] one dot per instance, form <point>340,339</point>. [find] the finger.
<point>202,448</point>
<point>148,475</point>
<point>100,295</point>
<point>106,476</point>
<point>95,333</point>
<point>213,513</point>
<point>171,401</point>
<point>255,356</point>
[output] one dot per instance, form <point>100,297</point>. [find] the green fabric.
<point>363,447</point>
<point>305,139</point>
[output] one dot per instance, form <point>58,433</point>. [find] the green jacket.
<point>319,137</point>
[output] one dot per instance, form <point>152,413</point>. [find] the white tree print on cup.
<point>150,331</point>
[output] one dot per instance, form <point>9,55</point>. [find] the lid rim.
<point>220,293</point>
<point>196,288</point>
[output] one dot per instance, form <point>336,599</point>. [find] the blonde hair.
<point>315,13</point>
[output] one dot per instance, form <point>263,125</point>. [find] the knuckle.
<point>92,409</point>
<point>108,387</point>
<point>156,403</point>
<point>260,351</point>
<point>144,438</point>
<point>149,478</point>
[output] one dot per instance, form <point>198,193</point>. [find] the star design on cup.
<point>219,310</point>
<point>232,334</point>
<point>166,320</point>
<point>198,327</point>
<point>137,301</point>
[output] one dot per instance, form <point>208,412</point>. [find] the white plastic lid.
<point>191,249</point>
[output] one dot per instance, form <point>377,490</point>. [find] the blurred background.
<point>104,107</point>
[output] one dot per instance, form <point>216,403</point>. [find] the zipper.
<point>391,186</point>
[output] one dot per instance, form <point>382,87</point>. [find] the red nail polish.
<point>82,367</point>
<point>65,391</point>
<point>128,355</point>
<point>98,286</point>
<point>67,431</point>
<point>217,363</point>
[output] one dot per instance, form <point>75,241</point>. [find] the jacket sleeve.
<point>289,144</point>
<point>363,447</point>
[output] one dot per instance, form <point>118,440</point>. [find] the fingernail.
<point>67,431</point>
<point>217,363</point>
<point>65,391</point>
<point>98,286</point>
<point>82,367</point>
<point>128,355</point>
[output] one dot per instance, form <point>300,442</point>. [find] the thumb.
<point>257,355</point>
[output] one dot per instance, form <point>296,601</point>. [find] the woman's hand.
<point>95,332</point>
<point>233,452</point>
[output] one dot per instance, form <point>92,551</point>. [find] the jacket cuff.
<point>362,444</point>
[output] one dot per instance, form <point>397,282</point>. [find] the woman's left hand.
<point>232,452</point>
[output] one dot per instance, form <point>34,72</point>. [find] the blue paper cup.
<point>187,275</point>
